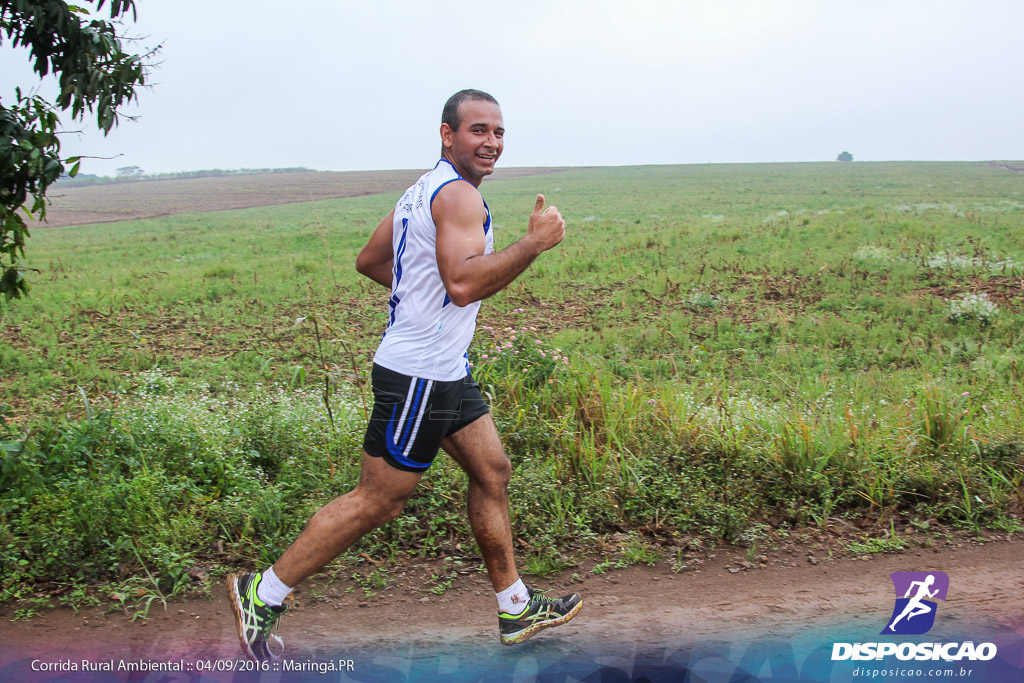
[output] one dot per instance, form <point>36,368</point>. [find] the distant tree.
<point>129,171</point>
<point>94,72</point>
<point>845,156</point>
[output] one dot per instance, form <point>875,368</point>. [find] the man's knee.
<point>497,475</point>
<point>505,470</point>
<point>389,509</point>
<point>381,509</point>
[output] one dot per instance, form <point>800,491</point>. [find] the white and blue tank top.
<point>427,334</point>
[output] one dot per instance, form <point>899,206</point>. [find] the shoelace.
<point>271,634</point>
<point>273,637</point>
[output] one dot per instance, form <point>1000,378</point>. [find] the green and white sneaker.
<point>541,612</point>
<point>254,619</point>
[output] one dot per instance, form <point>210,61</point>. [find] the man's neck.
<point>465,176</point>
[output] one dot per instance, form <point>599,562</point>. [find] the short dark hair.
<point>450,113</point>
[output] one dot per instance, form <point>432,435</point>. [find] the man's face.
<point>476,145</point>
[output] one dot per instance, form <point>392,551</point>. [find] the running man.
<point>915,607</point>
<point>435,252</point>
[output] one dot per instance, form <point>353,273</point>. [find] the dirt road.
<point>641,623</point>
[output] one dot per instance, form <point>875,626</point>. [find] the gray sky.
<point>337,85</point>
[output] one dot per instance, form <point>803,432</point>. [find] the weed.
<point>543,565</point>
<point>24,614</point>
<point>441,583</point>
<point>638,552</point>
<point>972,307</point>
<point>876,545</point>
<point>891,542</point>
<point>603,567</point>
<point>371,582</point>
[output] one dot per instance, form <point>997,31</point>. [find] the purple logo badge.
<point>916,592</point>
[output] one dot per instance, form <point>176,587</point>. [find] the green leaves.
<point>95,74</point>
<point>29,162</point>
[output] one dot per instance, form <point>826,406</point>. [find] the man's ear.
<point>446,135</point>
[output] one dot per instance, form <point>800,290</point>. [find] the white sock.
<point>513,600</point>
<point>271,590</point>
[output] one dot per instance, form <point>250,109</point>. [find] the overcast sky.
<point>336,85</point>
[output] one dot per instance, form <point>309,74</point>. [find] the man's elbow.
<point>363,264</point>
<point>461,295</point>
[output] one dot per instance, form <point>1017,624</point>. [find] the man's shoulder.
<point>444,176</point>
<point>457,196</point>
<point>459,189</point>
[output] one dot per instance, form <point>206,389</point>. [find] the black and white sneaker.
<point>254,619</point>
<point>541,612</point>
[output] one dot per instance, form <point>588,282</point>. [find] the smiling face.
<point>475,147</point>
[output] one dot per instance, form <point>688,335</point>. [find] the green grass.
<point>711,348</point>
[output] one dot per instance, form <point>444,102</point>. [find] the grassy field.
<point>716,352</point>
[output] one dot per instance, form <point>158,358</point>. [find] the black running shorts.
<point>412,415</point>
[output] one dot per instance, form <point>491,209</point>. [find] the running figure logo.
<point>914,612</point>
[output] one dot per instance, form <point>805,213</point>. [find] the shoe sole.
<point>532,630</point>
<point>236,606</point>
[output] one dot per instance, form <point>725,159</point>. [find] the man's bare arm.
<point>470,275</point>
<point>377,258</point>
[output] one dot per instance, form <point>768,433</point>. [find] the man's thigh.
<point>477,447</point>
<point>380,480</point>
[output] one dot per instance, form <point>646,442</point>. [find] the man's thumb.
<point>540,204</point>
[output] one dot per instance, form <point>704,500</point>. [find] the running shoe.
<point>254,619</point>
<point>541,612</point>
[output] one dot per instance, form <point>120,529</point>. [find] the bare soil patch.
<point>1018,167</point>
<point>153,198</point>
<point>1005,291</point>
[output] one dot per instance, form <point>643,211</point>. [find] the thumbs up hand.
<point>546,226</point>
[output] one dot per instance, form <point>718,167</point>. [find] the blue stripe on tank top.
<point>395,300</point>
<point>392,304</point>
<point>401,251</point>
